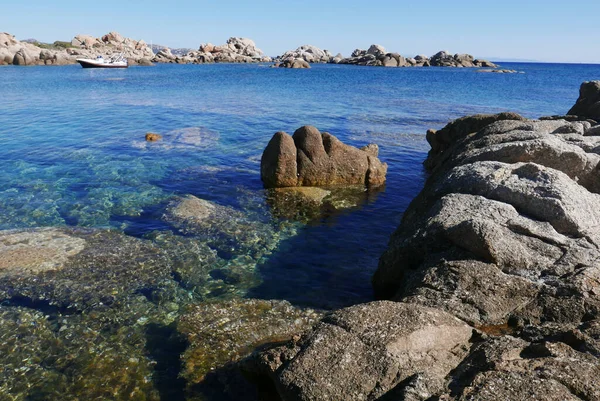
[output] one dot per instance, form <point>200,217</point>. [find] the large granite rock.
<point>588,103</point>
<point>293,63</point>
<point>312,158</point>
<point>509,210</point>
<point>236,50</point>
<point>308,53</point>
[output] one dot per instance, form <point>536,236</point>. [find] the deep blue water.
<point>72,149</point>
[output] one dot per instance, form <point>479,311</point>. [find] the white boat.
<point>100,62</point>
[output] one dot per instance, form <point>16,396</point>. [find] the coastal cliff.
<point>491,282</point>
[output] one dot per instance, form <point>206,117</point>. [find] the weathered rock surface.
<point>588,103</point>
<point>509,210</point>
<point>364,351</point>
<point>293,63</point>
<point>312,158</point>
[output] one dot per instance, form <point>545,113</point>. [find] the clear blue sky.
<point>509,29</point>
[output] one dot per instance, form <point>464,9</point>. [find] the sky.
<point>548,31</point>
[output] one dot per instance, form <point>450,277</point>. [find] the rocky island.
<point>377,56</point>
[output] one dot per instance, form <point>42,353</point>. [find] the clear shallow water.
<point>72,149</point>
<point>72,153</point>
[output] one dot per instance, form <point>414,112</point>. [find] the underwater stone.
<point>36,251</point>
<point>87,267</point>
<point>226,229</point>
<point>223,332</point>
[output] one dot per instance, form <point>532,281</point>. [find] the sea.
<point>73,153</point>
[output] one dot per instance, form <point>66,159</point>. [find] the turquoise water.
<point>72,149</point>
<point>120,323</point>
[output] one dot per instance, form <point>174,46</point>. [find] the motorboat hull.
<point>94,64</point>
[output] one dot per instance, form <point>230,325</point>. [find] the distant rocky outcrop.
<point>312,158</point>
<point>292,63</point>
<point>308,53</point>
<point>110,44</point>
<point>376,55</point>
<point>15,52</point>
<point>494,271</point>
<point>236,50</point>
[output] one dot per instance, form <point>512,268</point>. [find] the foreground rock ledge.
<point>312,158</point>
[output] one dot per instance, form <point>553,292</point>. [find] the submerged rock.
<point>77,268</point>
<point>311,158</point>
<point>223,228</point>
<point>306,204</point>
<point>223,332</point>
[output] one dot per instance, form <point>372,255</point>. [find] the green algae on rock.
<point>224,332</point>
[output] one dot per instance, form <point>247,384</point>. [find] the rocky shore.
<point>235,50</point>
<point>491,282</point>
<point>16,52</point>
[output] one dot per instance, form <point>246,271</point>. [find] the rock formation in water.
<point>311,158</point>
<point>236,50</point>
<point>15,52</point>
<point>494,273</point>
<point>376,55</point>
<point>292,63</point>
<point>308,53</point>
